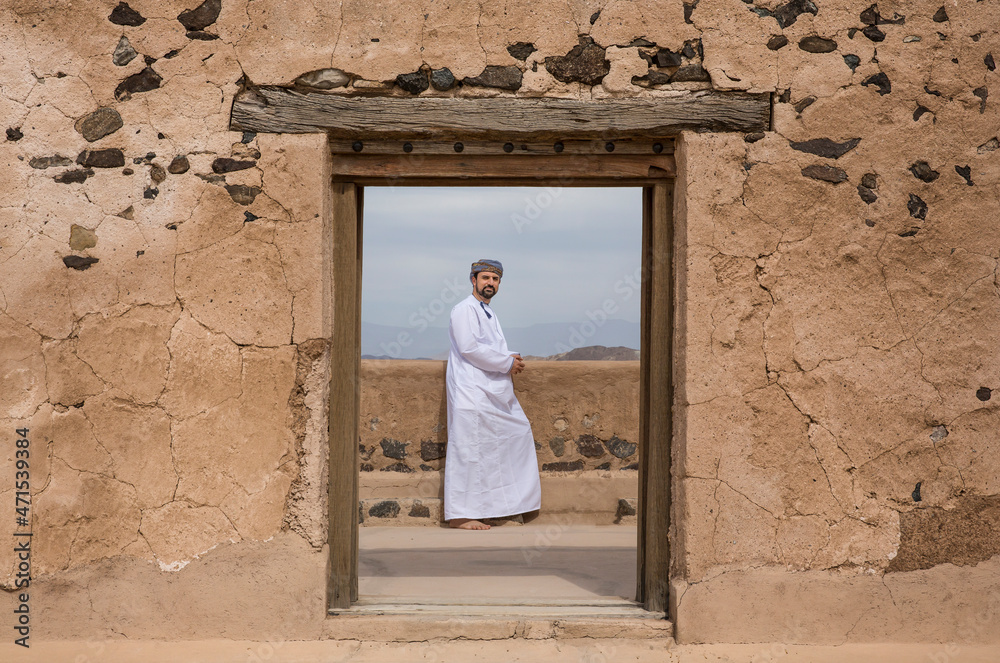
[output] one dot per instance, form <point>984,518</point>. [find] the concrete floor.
<point>513,565</point>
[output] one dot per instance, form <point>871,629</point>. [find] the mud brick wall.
<point>584,414</point>
<point>165,295</point>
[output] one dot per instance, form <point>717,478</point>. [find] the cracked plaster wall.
<point>838,300</point>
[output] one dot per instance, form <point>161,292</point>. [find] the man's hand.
<point>517,366</point>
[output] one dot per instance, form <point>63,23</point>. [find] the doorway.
<point>646,164</point>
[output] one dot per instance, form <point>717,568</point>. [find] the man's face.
<point>487,284</point>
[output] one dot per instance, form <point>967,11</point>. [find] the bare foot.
<point>467,523</point>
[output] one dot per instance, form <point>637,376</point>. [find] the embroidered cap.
<point>487,266</point>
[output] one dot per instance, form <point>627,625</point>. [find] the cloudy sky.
<point>565,252</point>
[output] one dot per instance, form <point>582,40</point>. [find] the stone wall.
<point>584,414</point>
<point>164,300</point>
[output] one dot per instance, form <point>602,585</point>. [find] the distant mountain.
<point>598,353</point>
<point>541,340</point>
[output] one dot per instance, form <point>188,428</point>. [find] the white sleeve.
<point>464,322</point>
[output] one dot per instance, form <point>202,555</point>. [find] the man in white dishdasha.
<point>490,467</point>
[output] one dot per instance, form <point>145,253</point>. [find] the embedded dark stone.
<point>641,42</point>
<point>430,450</point>
<point>394,448</point>
<point>201,16</point>
<point>825,173</point>
<point>249,217</point>
<point>989,146</point>
<point>144,81</point>
<point>917,207</point>
<point>226,165</point>
<point>149,60</point>
<point>124,53</point>
<point>558,446</point>
<point>984,393</point>
<point>688,10</point>
<point>109,158</point>
<point>14,134</point>
<point>157,174</point>
<point>852,61</point>
<point>760,11</point>
<point>919,112</point>
<point>367,467</point>
<point>824,147</point>
<point>938,434</point>
<point>803,104</point>
<point>589,446</point>
<point>128,171</point>
<point>667,58</point>
<point>624,509</point>
<point>788,13</point>
<point>248,136</point>
<point>689,51</point>
<point>323,79</point>
<point>604,466</point>
<point>965,172</point>
<point>242,194</point>
<point>79,262</point>
<point>76,176</point>
<point>125,15</point>
<point>399,467</point>
<point>916,492</point>
<point>414,83</point>
<point>442,79</point>
<point>930,91</point>
<point>909,233</point>
<point>620,448</point>
<point>503,78</point>
<point>652,77</point>
<point>419,510</point>
<point>521,50</point>
<point>169,55</point>
<point>785,97</point>
<point>754,137</point>
<point>982,93</point>
<point>940,16</point>
<point>200,35</point>
<point>427,468</point>
<point>150,193</point>
<point>871,16</point>
<point>631,466</point>
<point>989,62</point>
<point>874,34</point>
<point>689,73</point>
<point>869,223</point>
<point>593,17</point>
<point>881,83</point>
<point>776,42</point>
<point>924,172</point>
<point>102,122</point>
<point>563,466</point>
<point>41,163</point>
<point>585,63</point>
<point>866,194</point>
<point>178,165</point>
<point>384,509</point>
<point>814,44</point>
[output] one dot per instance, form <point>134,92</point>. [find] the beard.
<point>487,291</point>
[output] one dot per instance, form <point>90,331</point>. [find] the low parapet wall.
<point>584,416</point>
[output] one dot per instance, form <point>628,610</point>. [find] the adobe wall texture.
<point>164,301</point>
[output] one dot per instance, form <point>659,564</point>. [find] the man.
<point>490,469</point>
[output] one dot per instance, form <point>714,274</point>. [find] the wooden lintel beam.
<point>283,110</point>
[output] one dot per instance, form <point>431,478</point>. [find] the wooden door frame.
<point>654,172</point>
<point>502,141</point>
